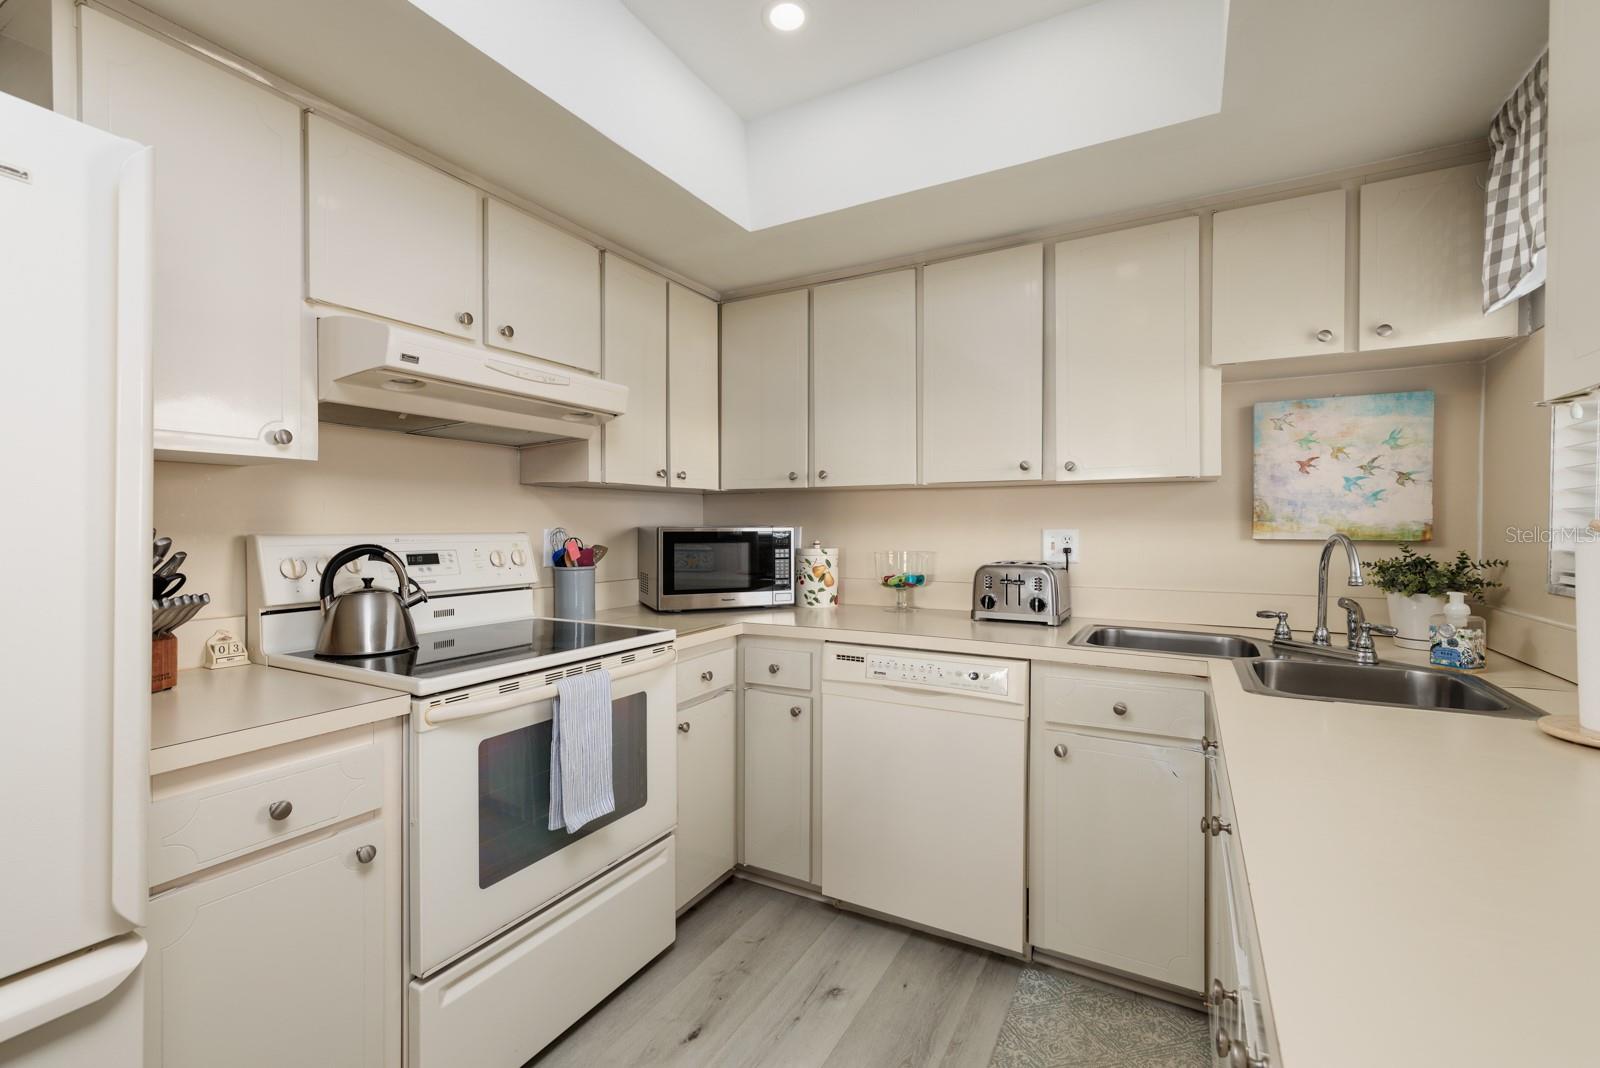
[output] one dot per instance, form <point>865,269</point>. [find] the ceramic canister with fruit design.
<point>819,576</point>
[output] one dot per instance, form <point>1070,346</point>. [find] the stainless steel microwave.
<point>716,567</point>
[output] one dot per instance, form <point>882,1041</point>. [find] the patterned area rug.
<point>1060,1020</point>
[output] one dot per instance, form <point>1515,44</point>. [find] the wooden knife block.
<point>163,663</point>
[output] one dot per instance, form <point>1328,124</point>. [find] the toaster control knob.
<point>1037,604</point>
<point>987,601</point>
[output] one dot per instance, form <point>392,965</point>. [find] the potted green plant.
<point>1415,584</point>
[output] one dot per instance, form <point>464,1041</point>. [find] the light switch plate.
<point>1054,541</point>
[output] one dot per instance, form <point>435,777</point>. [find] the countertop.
<point>1422,881</point>
<point>210,715</point>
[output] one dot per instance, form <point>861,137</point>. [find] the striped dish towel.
<point>580,751</point>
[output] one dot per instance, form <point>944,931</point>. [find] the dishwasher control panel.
<point>953,674</point>
<point>986,679</point>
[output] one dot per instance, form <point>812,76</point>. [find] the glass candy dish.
<point>903,570</point>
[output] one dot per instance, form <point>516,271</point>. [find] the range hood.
<point>385,377</point>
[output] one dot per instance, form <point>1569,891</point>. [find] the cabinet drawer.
<point>768,665</point>
<point>1117,702</point>
<point>231,814</point>
<point>706,673</point>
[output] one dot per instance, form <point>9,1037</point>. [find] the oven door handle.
<point>484,706</point>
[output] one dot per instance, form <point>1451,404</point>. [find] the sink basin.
<point>1153,640</point>
<point>1409,687</point>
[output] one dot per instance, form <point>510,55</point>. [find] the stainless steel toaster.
<point>1022,591</point>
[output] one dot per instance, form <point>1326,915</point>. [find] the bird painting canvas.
<point>1368,471</point>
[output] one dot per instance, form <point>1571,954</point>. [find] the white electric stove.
<point>498,904</point>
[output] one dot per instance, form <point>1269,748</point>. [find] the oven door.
<point>723,568</point>
<point>482,856</point>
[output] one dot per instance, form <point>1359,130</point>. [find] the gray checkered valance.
<point>1513,241</point>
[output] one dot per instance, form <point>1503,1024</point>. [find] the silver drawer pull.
<point>1060,750</point>
<point>683,728</point>
<point>794,710</point>
<point>465,319</point>
<point>706,676</point>
<point>279,810</point>
<point>772,669</point>
<point>366,854</point>
<point>1120,708</point>
<point>1324,336</point>
<point>1215,825</point>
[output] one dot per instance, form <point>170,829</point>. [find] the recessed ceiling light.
<point>786,16</point>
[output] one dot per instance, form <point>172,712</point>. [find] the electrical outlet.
<point>1056,541</point>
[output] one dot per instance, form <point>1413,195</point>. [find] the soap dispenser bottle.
<point>1458,639</point>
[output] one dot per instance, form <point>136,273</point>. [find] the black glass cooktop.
<point>448,651</point>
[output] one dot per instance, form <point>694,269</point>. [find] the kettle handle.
<point>369,552</point>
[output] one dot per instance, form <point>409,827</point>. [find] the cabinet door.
<point>1572,314</point>
<point>1277,279</point>
<point>705,794</point>
<point>692,431</point>
<point>541,289</point>
<point>1127,352</point>
<point>276,962</point>
<point>636,356</point>
<point>983,367</point>
<point>1118,865</point>
<point>777,783</point>
<point>765,343</point>
<point>1422,261</point>
<point>864,381</point>
<point>231,368</point>
<point>390,235</point>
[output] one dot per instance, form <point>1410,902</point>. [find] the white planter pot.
<point>1410,616</point>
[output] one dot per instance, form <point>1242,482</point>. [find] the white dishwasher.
<point>924,789</point>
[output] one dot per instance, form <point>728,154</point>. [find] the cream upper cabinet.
<point>636,357</point>
<point>1422,262</point>
<point>1572,314</point>
<point>235,376</point>
<point>1277,279</point>
<point>1127,354</point>
<point>765,349</point>
<point>983,367</point>
<point>705,794</point>
<point>693,451</point>
<point>777,783</point>
<point>541,289</point>
<point>390,235</point>
<point>864,381</point>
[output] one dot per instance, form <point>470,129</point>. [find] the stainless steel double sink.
<point>1265,669</point>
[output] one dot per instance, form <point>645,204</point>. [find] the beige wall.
<point>1172,552</point>
<point>369,481</point>
<point>1528,622</point>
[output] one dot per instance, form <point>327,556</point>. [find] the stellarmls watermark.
<point>1550,535</point>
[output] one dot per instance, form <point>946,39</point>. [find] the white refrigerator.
<point>75,473</point>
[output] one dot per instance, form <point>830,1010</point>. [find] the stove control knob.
<point>1037,604</point>
<point>497,558</point>
<point>518,557</point>
<point>322,563</point>
<point>292,568</point>
<point>354,567</point>
<point>986,601</point>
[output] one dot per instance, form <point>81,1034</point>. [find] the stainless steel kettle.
<point>366,621</point>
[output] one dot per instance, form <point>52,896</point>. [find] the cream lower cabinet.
<point>235,378</point>
<point>777,783</point>
<point>1116,793</point>
<point>278,961</point>
<point>636,356</point>
<point>693,441</point>
<point>706,831</point>
<point>864,381</point>
<point>1128,390</point>
<point>765,413</point>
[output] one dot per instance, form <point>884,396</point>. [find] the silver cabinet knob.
<point>1060,750</point>
<point>1025,466</point>
<point>1120,708</point>
<point>683,728</point>
<point>1324,336</point>
<point>683,476</point>
<point>282,436</point>
<point>1215,825</point>
<point>1383,330</point>
<point>507,331</point>
<point>822,474</point>
<point>1208,745</point>
<point>1071,465</point>
<point>794,711</point>
<point>279,810</point>
<point>366,854</point>
<point>1224,1043</point>
<point>772,669</point>
<point>661,472</point>
<point>794,476</point>
<point>465,319</point>
<point>1221,995</point>
<point>706,676</point>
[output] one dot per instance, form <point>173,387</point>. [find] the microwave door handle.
<point>435,717</point>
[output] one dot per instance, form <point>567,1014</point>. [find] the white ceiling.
<point>1311,86</point>
<point>757,70</point>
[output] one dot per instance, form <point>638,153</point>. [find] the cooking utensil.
<point>168,586</point>
<point>367,621</point>
<point>600,553</point>
<point>573,547</point>
<point>161,546</point>
<point>171,564</point>
<point>586,558</point>
<point>189,611</point>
